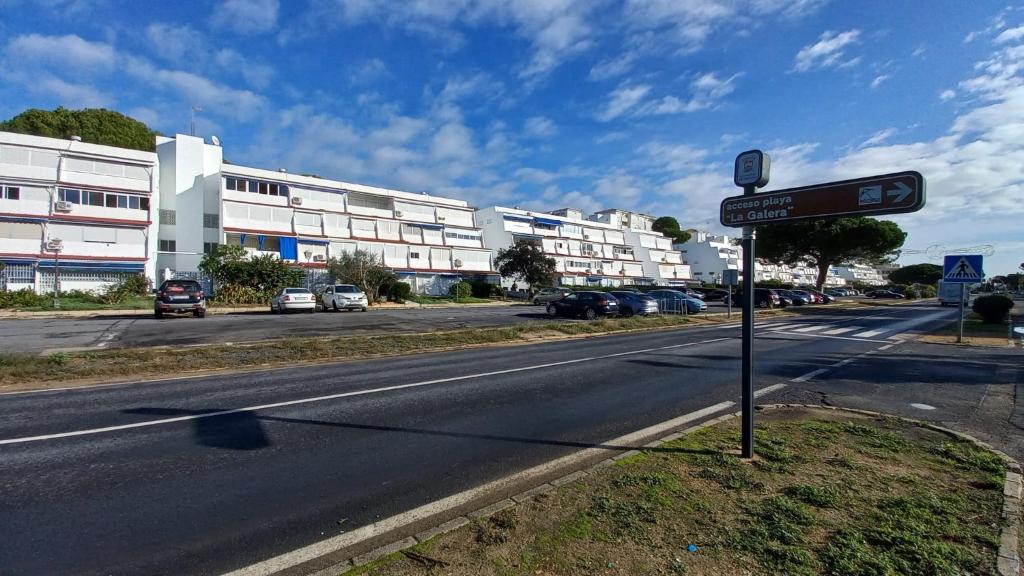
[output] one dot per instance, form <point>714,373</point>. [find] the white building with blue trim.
<point>428,241</point>
<point>87,206</point>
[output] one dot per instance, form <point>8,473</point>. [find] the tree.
<point>916,274</point>
<point>266,274</point>
<point>525,261</point>
<point>94,125</point>
<point>362,268</point>
<point>825,243</point>
<point>669,226</point>
<point>1014,281</point>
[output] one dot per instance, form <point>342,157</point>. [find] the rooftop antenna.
<point>192,125</point>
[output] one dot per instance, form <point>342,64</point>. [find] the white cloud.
<point>71,95</point>
<point>619,189</point>
<point>370,71</point>
<point>706,92</point>
<point>1010,35</point>
<point>621,100</point>
<point>70,52</point>
<point>539,127</point>
<point>535,175</point>
<point>878,137</point>
<point>453,140</point>
<point>246,16</point>
<point>256,74</point>
<point>947,95</point>
<point>878,80</point>
<point>175,43</point>
<point>610,137</point>
<point>827,52</point>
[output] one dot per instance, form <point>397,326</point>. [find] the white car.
<point>344,297</point>
<point>293,299</point>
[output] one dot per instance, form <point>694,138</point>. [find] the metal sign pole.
<point>960,332</point>
<point>748,336</point>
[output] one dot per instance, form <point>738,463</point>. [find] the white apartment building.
<point>660,260</point>
<point>587,252</point>
<point>428,241</point>
<point>87,207</point>
<point>861,273</point>
<point>709,255</point>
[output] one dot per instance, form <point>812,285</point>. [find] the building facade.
<point>85,209</point>
<point>709,255</point>
<point>595,251</point>
<point>429,242</point>
<point>861,273</point>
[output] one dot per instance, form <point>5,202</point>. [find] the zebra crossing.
<point>826,330</point>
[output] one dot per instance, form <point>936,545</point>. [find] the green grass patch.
<point>872,497</point>
<point>73,304</point>
<point>420,299</point>
<point>28,369</point>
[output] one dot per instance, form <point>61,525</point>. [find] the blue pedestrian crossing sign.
<point>963,269</point>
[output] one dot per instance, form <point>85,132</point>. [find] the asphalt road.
<point>141,479</point>
<point>30,335</point>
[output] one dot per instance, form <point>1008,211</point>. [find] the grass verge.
<point>22,371</point>
<point>72,304</point>
<point>976,332</point>
<point>831,493</point>
<point>419,299</point>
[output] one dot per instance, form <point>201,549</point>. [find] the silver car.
<point>293,299</point>
<point>344,297</point>
<point>549,295</point>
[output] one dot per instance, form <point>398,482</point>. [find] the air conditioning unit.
<point>54,245</point>
<point>440,218</point>
<point>319,258</point>
<point>398,214</point>
<point>458,263</point>
<point>62,206</point>
<point>296,201</point>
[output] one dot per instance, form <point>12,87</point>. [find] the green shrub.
<point>993,308</point>
<point>399,292</point>
<point>911,293</point>
<point>900,289</point>
<point>484,289</point>
<point>134,285</point>
<point>24,298</point>
<point>235,294</point>
<point>928,292</point>
<point>461,290</point>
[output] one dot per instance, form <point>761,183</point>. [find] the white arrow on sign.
<point>901,192</point>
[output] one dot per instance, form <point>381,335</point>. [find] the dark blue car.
<point>589,305</point>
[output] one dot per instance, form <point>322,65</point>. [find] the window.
<point>168,246</point>
<point>122,201</point>
<point>95,198</point>
<point>211,221</point>
<point>369,201</point>
<point>209,247</point>
<point>168,217</point>
<point>414,255</point>
<point>10,192</point>
<point>461,235</point>
<point>89,198</point>
<point>255,186</point>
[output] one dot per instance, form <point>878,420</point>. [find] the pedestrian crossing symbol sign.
<point>962,268</point>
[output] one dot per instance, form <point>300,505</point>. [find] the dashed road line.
<point>872,333</point>
<point>809,375</point>
<point>813,328</point>
<point>839,331</point>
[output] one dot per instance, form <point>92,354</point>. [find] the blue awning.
<point>526,219</point>
<point>22,219</point>
<point>548,222</point>
<point>317,242</point>
<point>427,226</point>
<point>289,248</point>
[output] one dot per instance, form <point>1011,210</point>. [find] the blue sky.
<point>550,103</point>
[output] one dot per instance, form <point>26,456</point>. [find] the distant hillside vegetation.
<point>94,125</point>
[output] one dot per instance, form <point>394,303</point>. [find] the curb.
<point>1008,559</point>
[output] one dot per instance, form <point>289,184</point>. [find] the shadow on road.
<point>236,431</point>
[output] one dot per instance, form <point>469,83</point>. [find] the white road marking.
<point>342,541</point>
<point>782,326</point>
<point>769,389</point>
<point>838,331</point>
<point>813,328</point>
<point>886,347</point>
<point>832,337</point>
<point>920,406</point>
<point>872,333</point>
<point>843,362</point>
<point>809,375</point>
<point>90,431</point>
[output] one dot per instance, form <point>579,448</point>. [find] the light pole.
<point>55,245</point>
<point>458,283</point>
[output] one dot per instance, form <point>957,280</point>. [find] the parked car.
<point>820,296</point>
<point>293,299</point>
<point>180,297</point>
<point>795,298</point>
<point>631,303</point>
<point>809,297</point>
<point>691,293</point>
<point>545,295</point>
<point>712,294</point>
<point>763,298</point>
<point>343,297</point>
<point>677,301</point>
<point>587,304</point>
<point>884,294</point>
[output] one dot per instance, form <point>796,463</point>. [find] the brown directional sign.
<point>876,195</point>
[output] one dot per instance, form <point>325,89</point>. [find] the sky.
<point>543,104</point>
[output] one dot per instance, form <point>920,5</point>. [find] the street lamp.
<point>55,245</point>
<point>308,254</point>
<point>458,283</point>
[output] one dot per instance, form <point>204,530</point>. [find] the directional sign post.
<point>730,278</point>
<point>962,269</point>
<point>876,195</point>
